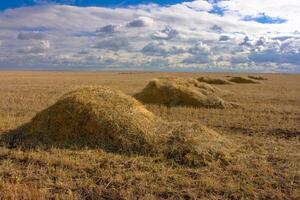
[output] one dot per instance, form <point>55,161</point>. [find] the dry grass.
<point>261,158</point>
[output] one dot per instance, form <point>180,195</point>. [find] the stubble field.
<point>265,128</point>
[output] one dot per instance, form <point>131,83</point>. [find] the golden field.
<point>265,128</point>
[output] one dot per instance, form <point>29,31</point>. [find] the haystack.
<point>239,79</point>
<point>98,117</point>
<point>214,81</point>
<point>259,78</point>
<point>95,117</point>
<point>177,91</point>
<point>195,145</point>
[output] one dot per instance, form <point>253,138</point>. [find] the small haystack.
<point>259,78</point>
<point>239,79</point>
<point>195,145</point>
<point>177,91</point>
<point>214,81</point>
<point>95,117</point>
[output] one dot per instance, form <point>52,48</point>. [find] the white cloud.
<point>151,36</point>
<point>141,22</point>
<point>38,48</point>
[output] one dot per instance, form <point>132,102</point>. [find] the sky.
<point>165,35</point>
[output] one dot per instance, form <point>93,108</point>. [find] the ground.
<point>266,129</point>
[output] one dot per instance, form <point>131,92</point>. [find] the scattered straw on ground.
<point>98,117</point>
<point>172,91</point>
<point>214,81</point>
<point>239,79</point>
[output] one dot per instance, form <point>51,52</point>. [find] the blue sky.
<point>5,4</point>
<point>211,35</point>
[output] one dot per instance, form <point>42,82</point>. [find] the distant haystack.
<point>214,81</point>
<point>177,91</point>
<point>259,78</point>
<point>239,79</point>
<point>95,117</point>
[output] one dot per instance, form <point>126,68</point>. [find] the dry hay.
<point>172,91</point>
<point>258,78</point>
<point>195,145</point>
<point>239,79</point>
<point>214,81</point>
<point>98,117</point>
<point>95,117</point>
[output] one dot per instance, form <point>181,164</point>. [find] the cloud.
<point>197,59</point>
<point>224,38</point>
<point>200,49</point>
<point>140,22</point>
<point>109,29</point>
<point>161,49</point>
<point>38,48</point>
<point>114,44</point>
<point>31,36</point>
<point>167,33</point>
<point>198,33</point>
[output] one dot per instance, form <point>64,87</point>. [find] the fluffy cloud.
<point>190,34</point>
<point>166,34</point>
<point>140,22</point>
<point>38,48</point>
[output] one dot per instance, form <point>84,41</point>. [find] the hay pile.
<point>214,81</point>
<point>239,79</point>
<point>98,117</point>
<point>181,92</point>
<point>259,78</point>
<point>192,144</point>
<point>95,117</point>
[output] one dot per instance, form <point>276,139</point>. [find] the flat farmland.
<point>265,128</point>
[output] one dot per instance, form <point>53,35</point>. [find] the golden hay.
<point>177,91</point>
<point>214,81</point>
<point>195,145</point>
<point>258,78</point>
<point>95,117</point>
<point>239,79</point>
<point>98,117</point>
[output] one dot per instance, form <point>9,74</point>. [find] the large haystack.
<point>176,91</point>
<point>213,81</point>
<point>239,79</point>
<point>97,117</point>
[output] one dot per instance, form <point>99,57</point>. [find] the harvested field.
<point>249,152</point>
